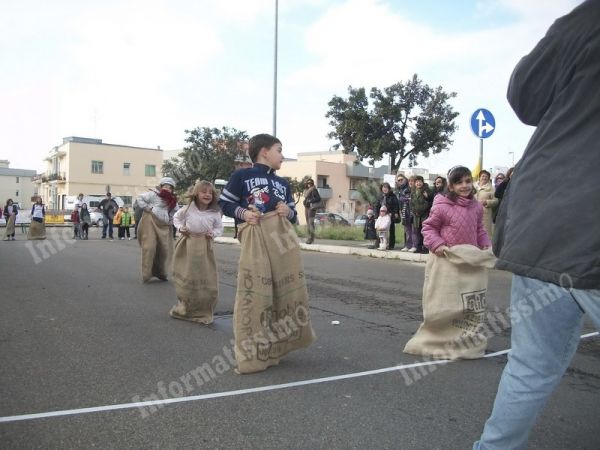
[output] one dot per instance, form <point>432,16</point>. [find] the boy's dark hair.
<point>258,142</point>
<point>454,176</point>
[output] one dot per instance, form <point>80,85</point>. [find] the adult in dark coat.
<point>548,236</point>
<point>390,201</point>
<point>311,202</point>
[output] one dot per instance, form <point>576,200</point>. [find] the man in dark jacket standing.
<point>555,257</point>
<point>109,208</point>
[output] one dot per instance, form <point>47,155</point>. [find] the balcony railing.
<point>56,176</point>
<point>325,193</point>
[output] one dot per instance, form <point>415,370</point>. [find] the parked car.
<point>326,218</point>
<point>97,218</point>
<point>360,221</point>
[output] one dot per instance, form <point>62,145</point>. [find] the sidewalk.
<point>346,248</point>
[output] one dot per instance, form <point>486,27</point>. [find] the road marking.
<point>274,387</point>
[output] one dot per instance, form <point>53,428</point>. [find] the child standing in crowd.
<point>10,215</point>
<point>420,204</point>
<point>76,221</point>
<point>194,265</point>
<point>271,316</point>
<point>369,229</point>
<point>455,276</point>
<point>84,221</point>
<point>382,226</point>
<point>117,220</point>
<point>154,230</point>
<point>124,224</point>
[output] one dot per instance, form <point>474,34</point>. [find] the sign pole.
<point>480,157</point>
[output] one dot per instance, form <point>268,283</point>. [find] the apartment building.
<point>336,176</point>
<point>91,167</point>
<point>16,184</point>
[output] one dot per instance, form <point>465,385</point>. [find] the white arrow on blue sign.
<point>483,123</point>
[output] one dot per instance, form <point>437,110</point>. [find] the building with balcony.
<point>336,176</point>
<point>91,167</point>
<point>16,184</point>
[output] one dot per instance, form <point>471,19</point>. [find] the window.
<point>150,170</point>
<point>17,194</point>
<point>97,166</point>
<point>126,167</point>
<point>127,199</point>
<point>17,179</point>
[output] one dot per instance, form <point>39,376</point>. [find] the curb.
<point>343,250</point>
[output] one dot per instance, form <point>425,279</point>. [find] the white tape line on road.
<point>274,387</point>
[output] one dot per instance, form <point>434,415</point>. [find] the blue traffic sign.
<point>483,123</point>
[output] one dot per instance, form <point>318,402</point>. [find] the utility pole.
<point>275,70</point>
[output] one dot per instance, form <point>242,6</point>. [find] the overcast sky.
<point>141,72</point>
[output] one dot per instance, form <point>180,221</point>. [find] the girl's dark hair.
<point>385,184</point>
<point>9,200</point>
<point>259,142</point>
<point>309,180</point>
<point>456,174</point>
<point>444,184</point>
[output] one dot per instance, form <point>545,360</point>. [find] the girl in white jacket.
<point>382,226</point>
<point>194,266</point>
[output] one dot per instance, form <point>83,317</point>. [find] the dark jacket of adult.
<point>545,231</point>
<point>390,201</point>
<point>109,207</point>
<point>312,200</point>
<point>404,203</point>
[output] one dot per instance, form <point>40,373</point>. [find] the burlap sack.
<point>156,240</point>
<point>454,305</point>
<point>36,230</point>
<point>195,279</point>
<point>10,226</point>
<point>271,316</point>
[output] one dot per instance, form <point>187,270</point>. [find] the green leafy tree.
<point>297,187</point>
<point>369,191</point>
<point>211,153</point>
<point>404,120</point>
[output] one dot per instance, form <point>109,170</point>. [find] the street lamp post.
<point>275,71</point>
<point>513,157</point>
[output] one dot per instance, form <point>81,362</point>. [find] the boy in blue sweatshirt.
<point>257,190</point>
<point>271,316</point>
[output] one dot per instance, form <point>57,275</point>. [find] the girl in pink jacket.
<point>455,218</point>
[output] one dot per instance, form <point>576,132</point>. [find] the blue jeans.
<point>546,327</point>
<point>107,224</point>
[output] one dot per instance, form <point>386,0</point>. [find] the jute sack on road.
<point>36,230</point>
<point>10,226</point>
<point>195,279</point>
<point>454,294</point>
<point>271,316</point>
<point>156,240</point>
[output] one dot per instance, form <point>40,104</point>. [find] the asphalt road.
<point>78,329</point>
